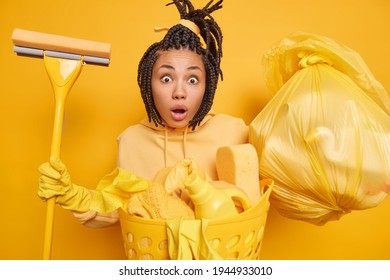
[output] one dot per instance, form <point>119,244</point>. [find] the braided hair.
<point>179,37</point>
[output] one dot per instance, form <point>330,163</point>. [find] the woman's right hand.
<point>55,182</point>
<point>54,179</point>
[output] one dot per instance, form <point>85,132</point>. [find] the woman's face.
<point>178,86</point>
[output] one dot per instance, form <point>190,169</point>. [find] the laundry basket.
<point>236,237</point>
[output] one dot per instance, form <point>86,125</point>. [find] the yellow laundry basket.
<point>237,237</point>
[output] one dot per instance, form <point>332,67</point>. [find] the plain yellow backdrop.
<point>105,100</point>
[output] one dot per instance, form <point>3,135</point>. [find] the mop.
<point>64,58</point>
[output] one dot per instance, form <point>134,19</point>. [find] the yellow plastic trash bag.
<point>324,138</point>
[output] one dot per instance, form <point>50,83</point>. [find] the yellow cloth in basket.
<point>187,240</point>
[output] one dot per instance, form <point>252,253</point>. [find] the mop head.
<point>37,44</point>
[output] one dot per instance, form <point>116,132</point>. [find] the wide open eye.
<point>193,80</point>
<point>166,79</point>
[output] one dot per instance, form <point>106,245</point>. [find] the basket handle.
<point>265,185</point>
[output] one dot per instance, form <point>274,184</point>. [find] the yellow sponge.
<point>238,165</point>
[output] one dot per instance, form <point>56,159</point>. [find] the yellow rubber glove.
<point>55,181</point>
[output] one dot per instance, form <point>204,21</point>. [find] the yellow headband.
<point>190,25</point>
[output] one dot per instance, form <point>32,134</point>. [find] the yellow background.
<point>105,100</point>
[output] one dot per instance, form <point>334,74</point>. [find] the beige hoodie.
<point>145,149</point>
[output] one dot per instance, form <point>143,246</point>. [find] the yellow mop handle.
<point>63,73</point>
<point>64,58</point>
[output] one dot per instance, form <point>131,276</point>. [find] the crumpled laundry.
<point>115,189</point>
<point>163,198</point>
<point>156,203</point>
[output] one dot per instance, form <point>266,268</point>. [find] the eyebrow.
<point>167,66</point>
<point>173,68</point>
<point>194,68</point>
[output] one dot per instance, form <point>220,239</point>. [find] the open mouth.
<point>179,113</point>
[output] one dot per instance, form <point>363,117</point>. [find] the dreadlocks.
<point>179,37</point>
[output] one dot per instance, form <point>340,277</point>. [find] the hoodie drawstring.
<point>185,142</point>
<point>166,144</point>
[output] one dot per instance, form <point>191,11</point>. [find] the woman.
<point>178,77</point>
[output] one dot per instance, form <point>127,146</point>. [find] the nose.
<point>179,92</point>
